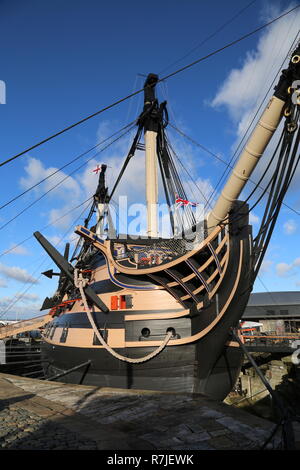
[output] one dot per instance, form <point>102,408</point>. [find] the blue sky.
<point>63,60</point>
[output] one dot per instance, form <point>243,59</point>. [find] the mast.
<point>257,143</point>
<point>100,198</point>
<point>150,136</point>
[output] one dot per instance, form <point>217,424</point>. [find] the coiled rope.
<point>80,283</point>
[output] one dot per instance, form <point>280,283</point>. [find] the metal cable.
<point>19,295</point>
<point>186,67</point>
<point>61,181</point>
<point>65,166</point>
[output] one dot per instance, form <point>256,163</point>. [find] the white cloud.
<point>19,274</point>
<point>290,227</point>
<point>285,269</point>
<point>54,239</point>
<point>13,311</point>
<point>88,180</point>
<point>23,298</point>
<point>79,187</point>
<point>3,283</point>
<point>253,219</point>
<point>28,297</point>
<point>60,218</point>
<point>104,130</point>
<point>18,249</point>
<point>246,86</point>
<point>84,183</point>
<point>265,266</point>
<point>35,172</point>
<point>20,305</point>
<point>205,189</point>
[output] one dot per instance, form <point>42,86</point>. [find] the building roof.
<point>274,298</point>
<point>273,305</point>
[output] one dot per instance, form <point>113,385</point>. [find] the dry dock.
<point>43,415</point>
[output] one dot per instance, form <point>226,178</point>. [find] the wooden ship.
<point>157,313</point>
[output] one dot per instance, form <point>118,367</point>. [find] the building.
<point>279,312</point>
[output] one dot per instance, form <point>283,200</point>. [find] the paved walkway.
<point>37,414</point>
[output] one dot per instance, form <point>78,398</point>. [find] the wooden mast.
<point>100,198</point>
<point>256,144</point>
<point>150,136</point>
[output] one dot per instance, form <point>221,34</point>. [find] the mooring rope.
<point>80,283</point>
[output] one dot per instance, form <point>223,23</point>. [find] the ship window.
<point>64,335</point>
<point>174,334</point>
<point>145,332</point>
<point>125,301</point>
<point>128,300</point>
<point>171,330</point>
<point>103,333</point>
<point>52,331</point>
<point>47,330</point>
<point>122,301</point>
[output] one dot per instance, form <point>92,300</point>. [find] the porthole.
<point>145,332</point>
<point>171,330</point>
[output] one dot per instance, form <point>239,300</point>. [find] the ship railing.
<point>271,340</point>
<point>144,254</point>
<point>156,253</point>
<point>23,325</point>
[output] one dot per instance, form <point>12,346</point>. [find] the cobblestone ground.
<point>20,429</point>
<point>43,415</point>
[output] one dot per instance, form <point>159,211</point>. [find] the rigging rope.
<point>186,67</point>
<point>188,173</point>
<point>64,179</point>
<point>235,155</point>
<point>221,160</point>
<point>80,283</point>
<point>210,36</point>
<point>174,182</point>
<point>46,226</point>
<point>286,167</point>
<point>18,296</point>
<point>67,164</point>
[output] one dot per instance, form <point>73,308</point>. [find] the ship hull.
<point>207,366</point>
<point>176,369</point>
<point>199,358</point>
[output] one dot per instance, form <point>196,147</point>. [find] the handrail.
<point>24,325</point>
<point>271,336</point>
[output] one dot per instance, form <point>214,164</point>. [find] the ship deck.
<point>88,417</point>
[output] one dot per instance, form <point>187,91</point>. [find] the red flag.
<point>184,202</point>
<point>96,169</point>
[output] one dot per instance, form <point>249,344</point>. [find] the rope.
<point>186,67</point>
<point>69,163</point>
<point>64,179</point>
<point>19,295</point>
<point>80,282</point>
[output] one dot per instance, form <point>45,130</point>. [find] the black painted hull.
<point>176,369</point>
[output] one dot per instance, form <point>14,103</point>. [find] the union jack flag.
<point>184,202</point>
